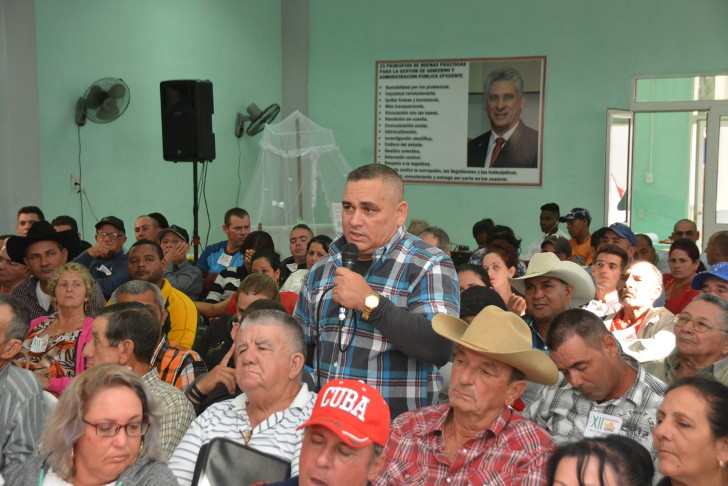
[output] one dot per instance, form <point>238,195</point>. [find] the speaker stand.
<point>195,209</point>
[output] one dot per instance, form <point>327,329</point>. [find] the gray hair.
<point>505,74</point>
<point>137,287</point>
<point>296,341</point>
<point>720,302</point>
<point>656,274</point>
<point>65,424</point>
<point>20,322</point>
<point>443,240</point>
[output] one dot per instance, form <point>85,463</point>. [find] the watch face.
<point>371,301</point>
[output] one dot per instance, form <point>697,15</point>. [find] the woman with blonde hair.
<point>54,343</point>
<point>104,430</point>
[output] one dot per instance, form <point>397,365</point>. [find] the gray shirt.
<point>186,278</point>
<point>21,417</point>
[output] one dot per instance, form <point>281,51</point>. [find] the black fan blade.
<point>107,114</point>
<point>117,91</point>
<point>95,97</point>
<point>267,116</point>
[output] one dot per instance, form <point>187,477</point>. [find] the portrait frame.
<point>429,112</point>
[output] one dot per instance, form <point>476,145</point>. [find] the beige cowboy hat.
<point>549,265</point>
<point>503,336</point>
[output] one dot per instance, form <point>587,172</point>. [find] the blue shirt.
<point>209,260</point>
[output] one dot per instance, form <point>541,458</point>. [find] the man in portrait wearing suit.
<point>514,145</point>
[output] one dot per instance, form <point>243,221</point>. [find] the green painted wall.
<point>594,49</point>
<point>234,43</point>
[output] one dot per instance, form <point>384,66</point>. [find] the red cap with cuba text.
<point>354,411</point>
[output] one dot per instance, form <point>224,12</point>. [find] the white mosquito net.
<point>300,173</point>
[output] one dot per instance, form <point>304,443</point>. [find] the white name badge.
<point>224,259</point>
<point>39,344</point>
<point>601,424</point>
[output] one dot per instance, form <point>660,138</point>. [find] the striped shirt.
<point>420,281</point>
<point>177,409</point>
<point>277,435</point>
<point>176,364</point>
<point>21,417</point>
<point>564,412</point>
<point>512,451</point>
<point>226,284</point>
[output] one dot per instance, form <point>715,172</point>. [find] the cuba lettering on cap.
<point>354,411</point>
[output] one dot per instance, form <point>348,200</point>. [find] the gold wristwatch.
<point>370,303</point>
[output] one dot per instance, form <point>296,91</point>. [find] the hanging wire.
<point>240,180</point>
<point>80,178</point>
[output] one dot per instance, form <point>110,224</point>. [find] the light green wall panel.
<point>234,43</point>
<point>594,49</point>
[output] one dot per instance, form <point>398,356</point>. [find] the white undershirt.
<point>43,299</point>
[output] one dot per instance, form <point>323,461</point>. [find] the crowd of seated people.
<point>578,362</point>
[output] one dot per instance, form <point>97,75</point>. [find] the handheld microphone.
<point>349,254</point>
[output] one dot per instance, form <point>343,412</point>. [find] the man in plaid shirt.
<point>603,391</point>
<point>477,438</point>
<point>384,336</point>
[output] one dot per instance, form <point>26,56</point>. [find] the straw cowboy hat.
<point>503,336</point>
<point>549,265</point>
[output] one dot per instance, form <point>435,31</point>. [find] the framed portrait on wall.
<point>462,121</point>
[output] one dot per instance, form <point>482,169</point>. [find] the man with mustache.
<point>478,438</point>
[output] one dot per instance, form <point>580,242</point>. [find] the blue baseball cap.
<point>576,213</point>
<point>719,270</point>
<point>623,231</point>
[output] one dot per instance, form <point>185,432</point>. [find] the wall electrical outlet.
<point>76,182</point>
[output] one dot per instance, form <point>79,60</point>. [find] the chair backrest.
<point>49,401</point>
<point>222,462</point>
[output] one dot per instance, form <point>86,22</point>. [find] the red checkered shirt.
<point>512,450</point>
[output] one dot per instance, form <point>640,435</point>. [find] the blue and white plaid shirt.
<point>413,276</point>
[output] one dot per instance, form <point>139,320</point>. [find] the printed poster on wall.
<point>462,121</point>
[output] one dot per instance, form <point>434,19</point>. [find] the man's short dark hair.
<point>160,252</point>
<point>443,240</point>
<point>720,239</point>
<point>381,172</point>
<point>134,321</point>
<point>645,239</point>
<point>65,221</point>
<point>20,322</point>
<point>596,238</point>
<point>302,226</point>
<point>576,322</point>
<point>32,210</point>
<point>613,250</point>
<point>237,212</point>
<point>159,219</point>
<point>482,227</point>
<point>505,74</point>
<point>552,208</point>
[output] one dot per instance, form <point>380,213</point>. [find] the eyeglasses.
<point>681,320</point>
<point>111,429</point>
<point>113,236</point>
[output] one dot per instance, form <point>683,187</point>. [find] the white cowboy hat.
<point>503,336</point>
<point>549,265</point>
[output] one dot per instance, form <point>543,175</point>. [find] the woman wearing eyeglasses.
<point>104,430</point>
<point>701,342</point>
